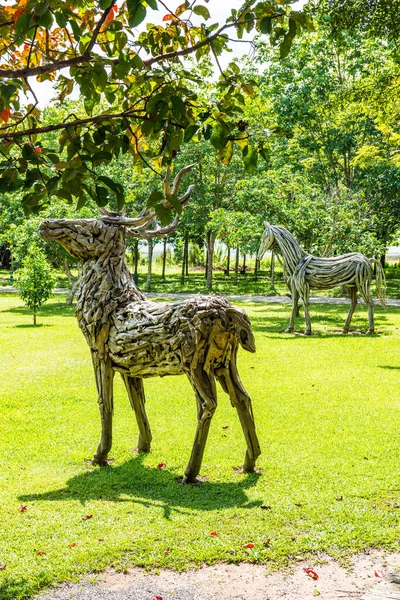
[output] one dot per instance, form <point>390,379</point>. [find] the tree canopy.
<point>140,94</point>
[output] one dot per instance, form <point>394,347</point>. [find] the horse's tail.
<point>380,281</point>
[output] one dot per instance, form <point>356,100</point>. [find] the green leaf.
<point>24,22</point>
<point>61,19</point>
<point>226,153</point>
<point>28,152</point>
<point>250,157</point>
<point>164,214</point>
<point>104,4</point>
<point>173,200</point>
<point>136,12</point>
<point>207,131</point>
<point>266,25</point>
<point>100,77</point>
<point>154,199</point>
<point>189,132</point>
<point>218,138</point>
<point>102,196</point>
<point>51,184</point>
<point>178,107</point>
<point>152,4</point>
<point>102,155</point>
<point>202,11</point>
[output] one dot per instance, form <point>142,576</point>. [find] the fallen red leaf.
<point>86,517</point>
<point>41,553</point>
<point>161,466</point>
<point>267,542</point>
<point>203,566</point>
<point>311,573</point>
<point>158,598</point>
<point>265,507</point>
<point>72,545</point>
<point>225,427</point>
<point>214,534</point>
<point>168,17</point>
<point>23,508</point>
<point>378,574</point>
<point>148,467</point>
<point>2,567</point>
<point>248,545</point>
<point>17,14</point>
<point>166,550</point>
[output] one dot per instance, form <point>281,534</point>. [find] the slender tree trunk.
<point>236,265</point>
<point>149,264</point>
<point>34,316</point>
<point>256,267</point>
<point>383,260</point>
<point>187,254</point>
<point>272,272</point>
<point>210,258</point>
<point>228,262</point>
<point>244,265</point>
<point>70,298</point>
<point>164,258</point>
<point>184,257</point>
<point>135,256</point>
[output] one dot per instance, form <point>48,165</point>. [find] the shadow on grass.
<point>51,309</point>
<point>389,367</point>
<point>154,488</point>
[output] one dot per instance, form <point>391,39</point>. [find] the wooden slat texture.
<point>383,591</point>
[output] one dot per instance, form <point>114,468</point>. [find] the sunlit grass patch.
<point>327,411</point>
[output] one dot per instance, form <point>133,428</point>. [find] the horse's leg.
<point>306,303</point>
<point>104,380</point>
<point>295,310</point>
<point>206,396</point>
<point>231,383</point>
<point>370,302</point>
<point>135,389</point>
<point>353,303</point>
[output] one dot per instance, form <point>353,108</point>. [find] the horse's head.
<point>267,240</point>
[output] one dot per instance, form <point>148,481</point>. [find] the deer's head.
<point>87,239</point>
<point>267,240</point>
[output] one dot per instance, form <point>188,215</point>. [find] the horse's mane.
<point>289,247</point>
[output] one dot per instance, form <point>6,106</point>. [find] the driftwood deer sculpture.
<point>304,271</point>
<point>128,334</point>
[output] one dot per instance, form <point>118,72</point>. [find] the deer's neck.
<point>106,284</point>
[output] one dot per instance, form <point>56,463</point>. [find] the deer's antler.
<point>146,217</point>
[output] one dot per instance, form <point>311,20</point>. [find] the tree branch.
<point>58,126</point>
<point>97,29</point>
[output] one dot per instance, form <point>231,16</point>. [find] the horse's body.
<point>304,271</point>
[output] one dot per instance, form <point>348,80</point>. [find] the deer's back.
<point>149,338</point>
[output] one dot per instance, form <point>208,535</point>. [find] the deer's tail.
<point>243,327</point>
<point>380,282</point>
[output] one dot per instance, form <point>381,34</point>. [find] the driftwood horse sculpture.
<point>128,334</point>
<point>304,271</point>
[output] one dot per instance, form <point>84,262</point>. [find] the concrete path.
<point>8,289</point>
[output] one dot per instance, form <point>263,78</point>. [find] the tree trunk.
<point>256,267</point>
<point>210,258</point>
<point>236,265</point>
<point>149,263</point>
<point>34,316</point>
<point>228,262</point>
<point>272,272</point>
<point>183,271</point>
<point>244,265</point>
<point>164,258</point>
<point>135,256</point>
<point>70,298</point>
<point>187,255</point>
<point>383,260</point>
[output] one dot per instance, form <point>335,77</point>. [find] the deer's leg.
<point>134,387</point>
<point>104,380</point>
<point>231,383</point>
<point>353,298</point>
<point>206,396</point>
<point>295,310</point>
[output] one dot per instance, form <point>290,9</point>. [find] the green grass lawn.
<point>327,410</point>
